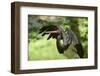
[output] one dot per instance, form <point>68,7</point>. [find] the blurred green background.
<point>42,49</point>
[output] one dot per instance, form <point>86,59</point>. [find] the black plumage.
<point>67,36</point>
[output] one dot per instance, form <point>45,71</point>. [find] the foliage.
<point>42,49</point>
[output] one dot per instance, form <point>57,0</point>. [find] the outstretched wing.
<point>77,44</point>
<point>52,30</point>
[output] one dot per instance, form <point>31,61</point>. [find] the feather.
<point>68,37</point>
<point>77,44</point>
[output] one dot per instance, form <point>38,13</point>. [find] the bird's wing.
<point>51,30</point>
<point>77,44</point>
<point>62,46</point>
<point>67,39</point>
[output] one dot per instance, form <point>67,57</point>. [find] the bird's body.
<point>67,37</point>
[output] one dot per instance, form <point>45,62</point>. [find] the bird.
<point>66,35</point>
